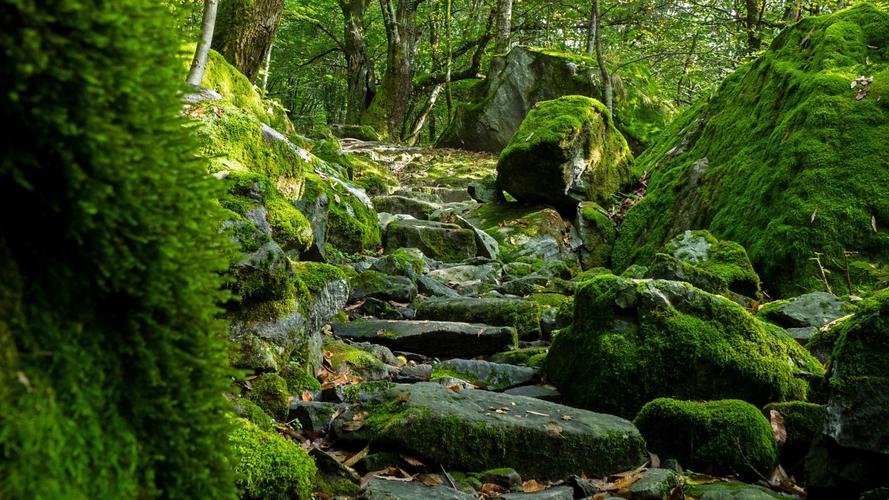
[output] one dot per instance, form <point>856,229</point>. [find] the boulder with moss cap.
<point>566,151</point>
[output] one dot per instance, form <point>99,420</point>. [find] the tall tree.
<point>390,105</point>
<point>202,52</point>
<point>607,87</point>
<point>504,24</point>
<point>245,32</point>
<point>359,67</point>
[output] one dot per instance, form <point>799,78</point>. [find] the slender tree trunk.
<point>421,120</point>
<point>607,89</point>
<point>591,33</point>
<point>753,24</point>
<point>688,60</point>
<point>389,107</point>
<point>360,82</point>
<point>245,32</point>
<point>266,68</point>
<point>202,52</point>
<point>504,25</point>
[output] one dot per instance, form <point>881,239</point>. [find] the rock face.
<point>853,451</point>
<point>803,315</point>
<point>729,436</point>
<point>528,435</point>
<point>681,341</point>
<point>565,151</point>
<point>528,76</point>
<point>785,170</point>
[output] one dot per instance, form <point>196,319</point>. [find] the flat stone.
<point>431,338</point>
<point>394,204</point>
<point>731,490</point>
<point>557,493</point>
<point>382,489</point>
<point>374,284</point>
<point>434,288</point>
<point>477,430</point>
<point>524,315</point>
<point>493,376</point>
<point>655,484</point>
<point>544,392</point>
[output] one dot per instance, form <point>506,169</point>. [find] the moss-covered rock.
<point>267,465</point>
<point>438,240</point>
<point>407,262</point>
<point>529,75</point>
<point>458,430</point>
<point>269,391</point>
<point>247,409</point>
<point>597,233</point>
<point>566,151</point>
<point>715,266</point>
<point>360,132</point>
<point>803,422</point>
<point>802,316</point>
<point>347,359</point>
<point>781,160</point>
<point>484,374</point>
<point>523,315</point>
<point>636,340</point>
<point>725,437</point>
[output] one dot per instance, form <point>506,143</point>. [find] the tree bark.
<point>607,89</point>
<point>202,52</point>
<point>246,31</point>
<point>389,107</point>
<point>504,26</point>
<point>360,82</point>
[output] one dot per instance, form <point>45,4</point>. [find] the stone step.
<point>440,241</point>
<point>524,315</point>
<point>430,338</point>
<point>484,374</point>
<point>475,430</point>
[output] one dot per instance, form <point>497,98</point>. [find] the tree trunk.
<point>607,90</point>
<point>202,52</point>
<point>504,24</point>
<point>753,24</point>
<point>360,83</point>
<point>387,111</point>
<point>246,31</point>
<point>266,68</point>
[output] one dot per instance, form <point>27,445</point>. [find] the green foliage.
<point>727,436</point>
<point>115,387</point>
<point>781,159</point>
<point>269,466</point>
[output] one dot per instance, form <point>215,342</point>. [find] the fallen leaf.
<point>812,218</point>
<point>352,426</point>
<point>778,428</point>
<point>360,416</point>
<point>356,457</point>
<point>490,489</point>
<point>411,460</point>
<point>532,486</point>
<point>553,430</point>
<point>567,418</point>
<point>873,222</point>
<point>307,396</point>
<point>431,479</point>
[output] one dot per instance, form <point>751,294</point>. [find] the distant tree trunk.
<point>753,24</point>
<point>792,10</point>
<point>591,33</point>
<point>202,52</point>
<point>607,89</point>
<point>504,25</point>
<point>389,107</point>
<point>246,31</point>
<point>360,83</point>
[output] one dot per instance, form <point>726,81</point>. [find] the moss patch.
<point>267,465</point>
<point>269,392</point>
<point>725,437</point>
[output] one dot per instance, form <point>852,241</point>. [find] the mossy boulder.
<point>566,151</point>
<point>360,132</point>
<point>372,284</point>
<point>784,159</point>
<point>636,340</point>
<point>269,391</point>
<point>802,316</point>
<point>715,266</point>
<point>722,437</point>
<point>803,422</point>
<point>484,374</point>
<point>407,262</point>
<point>438,240</point>
<point>433,422</point>
<point>853,450</point>
<point>527,75</point>
<point>267,465</point>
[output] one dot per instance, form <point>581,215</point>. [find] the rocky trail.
<point>431,379</point>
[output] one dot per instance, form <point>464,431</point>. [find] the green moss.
<point>356,393</point>
<point>299,379</point>
<point>345,358</point>
<point>237,90</point>
<point>269,466</point>
<point>803,423</point>
<point>269,392</point>
<point>727,436</point>
<point>518,356</point>
<point>598,232</point>
<point>350,225</point>
<point>289,226</point>
<point>537,360</point>
<point>249,410</point>
<point>644,334</point>
<point>317,275</point>
<point>789,159</point>
<point>112,263</point>
<point>337,486</point>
